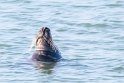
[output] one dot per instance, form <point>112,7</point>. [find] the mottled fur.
<point>45,48</point>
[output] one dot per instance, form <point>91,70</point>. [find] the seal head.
<point>45,48</point>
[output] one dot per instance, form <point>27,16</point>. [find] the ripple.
<point>118,69</point>
<point>114,5</point>
<point>100,25</point>
<point>61,30</point>
<point>82,6</point>
<point>5,45</point>
<point>89,35</point>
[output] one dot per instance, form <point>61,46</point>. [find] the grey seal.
<point>45,49</point>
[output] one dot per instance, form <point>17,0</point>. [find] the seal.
<point>45,50</point>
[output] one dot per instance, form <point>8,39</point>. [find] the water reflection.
<point>44,67</point>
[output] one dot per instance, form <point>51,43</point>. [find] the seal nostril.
<point>47,29</point>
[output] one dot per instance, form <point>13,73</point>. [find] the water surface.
<point>89,34</point>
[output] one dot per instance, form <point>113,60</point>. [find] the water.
<point>89,34</point>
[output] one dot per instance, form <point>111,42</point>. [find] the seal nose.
<point>44,29</point>
<point>47,29</point>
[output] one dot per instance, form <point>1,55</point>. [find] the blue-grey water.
<point>89,34</point>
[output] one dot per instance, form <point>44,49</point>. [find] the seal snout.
<point>47,29</point>
<point>44,29</point>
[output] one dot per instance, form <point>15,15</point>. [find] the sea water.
<point>88,33</point>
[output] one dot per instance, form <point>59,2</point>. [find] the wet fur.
<point>49,52</point>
